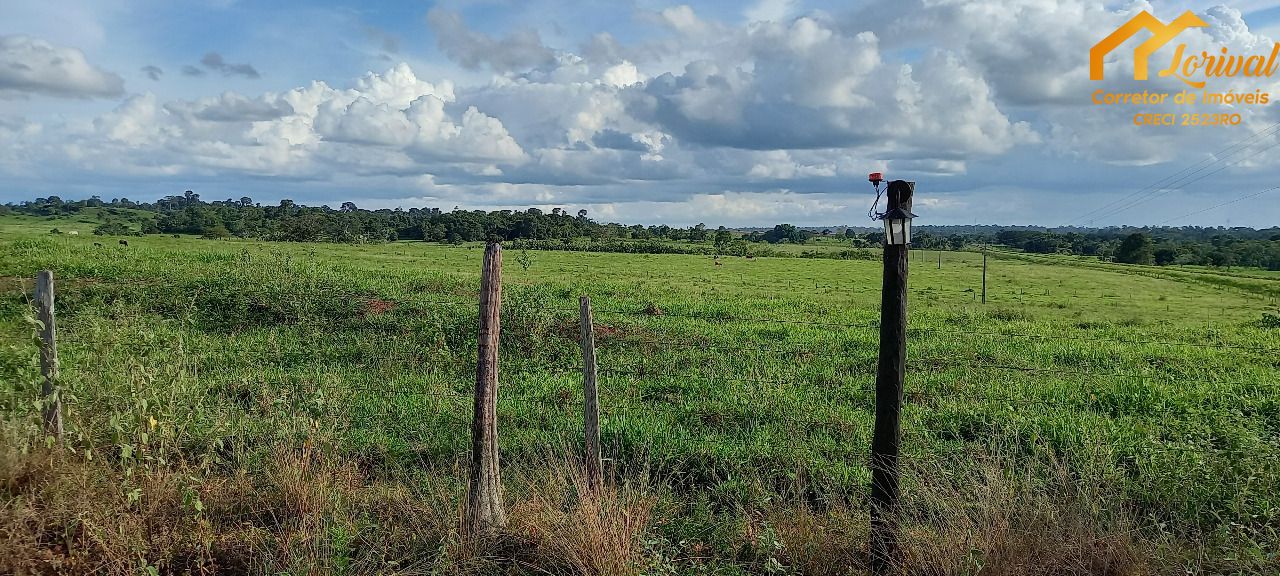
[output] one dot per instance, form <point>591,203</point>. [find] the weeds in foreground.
<point>313,511</point>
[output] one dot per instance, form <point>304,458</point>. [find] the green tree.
<point>723,236</point>
<point>1165,255</point>
<point>216,232</point>
<point>785,233</point>
<point>1136,248</point>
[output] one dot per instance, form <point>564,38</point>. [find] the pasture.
<point>314,401</point>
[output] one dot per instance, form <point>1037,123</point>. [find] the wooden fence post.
<point>485,511</point>
<point>590,398</point>
<point>891,369</point>
<point>49,393</point>
<point>984,276</point>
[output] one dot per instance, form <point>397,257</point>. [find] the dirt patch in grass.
<point>605,332</point>
<point>378,306</point>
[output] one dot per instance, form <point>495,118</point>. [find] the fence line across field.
<point>603,403</point>
<point>400,301</point>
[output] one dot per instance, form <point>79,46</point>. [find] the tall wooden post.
<point>939,259</point>
<point>485,511</point>
<point>592,462</point>
<point>890,372</point>
<point>49,393</point>
<point>984,276</point>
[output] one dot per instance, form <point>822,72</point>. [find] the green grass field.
<point>737,399</point>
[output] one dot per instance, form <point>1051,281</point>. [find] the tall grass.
<point>308,511</point>
<point>267,408</point>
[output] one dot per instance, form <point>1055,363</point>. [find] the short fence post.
<point>984,276</point>
<point>590,398</point>
<point>485,511</point>
<point>49,393</point>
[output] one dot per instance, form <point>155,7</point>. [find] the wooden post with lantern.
<point>890,372</point>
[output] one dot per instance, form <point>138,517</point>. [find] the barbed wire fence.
<point>670,397</point>
<point>360,325</point>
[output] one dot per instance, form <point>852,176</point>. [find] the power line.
<point>1188,170</point>
<point>1184,183</point>
<point>1212,159</point>
<point>1216,206</point>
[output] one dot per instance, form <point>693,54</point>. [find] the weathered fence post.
<point>485,511</point>
<point>890,372</point>
<point>590,398</point>
<point>49,392</point>
<point>939,259</point>
<point>984,276</point>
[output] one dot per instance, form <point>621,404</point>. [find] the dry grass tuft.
<point>573,529</point>
<point>62,514</point>
<point>991,520</point>
<point>987,520</point>
<point>305,513</point>
<point>832,543</point>
<point>308,511</point>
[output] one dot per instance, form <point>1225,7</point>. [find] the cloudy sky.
<point>641,112</point>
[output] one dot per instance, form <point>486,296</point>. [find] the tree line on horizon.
<point>564,229</point>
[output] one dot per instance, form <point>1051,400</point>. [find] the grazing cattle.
<point>124,242</point>
<point>750,257</point>
<point>98,244</point>
<point>719,263</point>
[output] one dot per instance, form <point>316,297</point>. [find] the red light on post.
<point>875,178</point>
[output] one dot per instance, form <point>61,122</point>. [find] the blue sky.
<point>718,112</point>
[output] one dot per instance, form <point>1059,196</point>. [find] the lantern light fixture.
<point>897,221</point>
<point>897,226</point>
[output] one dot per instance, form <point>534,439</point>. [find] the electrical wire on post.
<point>875,178</point>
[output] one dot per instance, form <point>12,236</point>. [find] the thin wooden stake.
<point>49,392</point>
<point>984,277</point>
<point>485,511</point>
<point>590,398</point>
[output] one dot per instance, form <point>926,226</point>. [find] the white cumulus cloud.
<point>33,66</point>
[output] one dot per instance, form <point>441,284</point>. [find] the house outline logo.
<point>1161,34</point>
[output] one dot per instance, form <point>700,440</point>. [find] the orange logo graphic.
<point>1161,35</point>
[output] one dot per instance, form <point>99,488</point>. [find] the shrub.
<point>112,228</point>
<point>216,232</point>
